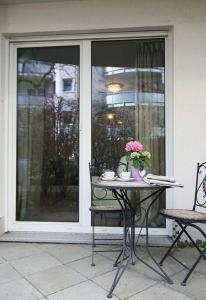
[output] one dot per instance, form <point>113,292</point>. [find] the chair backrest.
<point>95,170</point>
<point>200,187</point>
<point>99,196</point>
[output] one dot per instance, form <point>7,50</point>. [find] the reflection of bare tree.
<point>55,155</point>
<point>60,152</point>
<point>111,129</point>
<point>47,144</point>
<point>35,81</point>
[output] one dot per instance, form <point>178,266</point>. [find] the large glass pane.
<point>48,134</point>
<point>128,102</point>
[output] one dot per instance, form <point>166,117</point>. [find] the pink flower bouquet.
<point>137,155</point>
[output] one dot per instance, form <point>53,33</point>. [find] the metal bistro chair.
<point>102,204</point>
<point>190,218</point>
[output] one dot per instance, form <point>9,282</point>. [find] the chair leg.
<point>202,255</point>
<point>172,246</point>
<point>193,267</point>
<point>191,239</point>
<point>93,240</point>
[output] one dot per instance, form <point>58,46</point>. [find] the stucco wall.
<point>188,22</point>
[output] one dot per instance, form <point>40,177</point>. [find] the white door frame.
<point>84,224</point>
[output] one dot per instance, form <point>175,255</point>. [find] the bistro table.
<point>120,190</point>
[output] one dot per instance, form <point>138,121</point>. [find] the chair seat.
<point>184,215</point>
<point>105,208</point>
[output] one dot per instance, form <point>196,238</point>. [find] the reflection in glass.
<point>47,134</point>
<point>134,109</point>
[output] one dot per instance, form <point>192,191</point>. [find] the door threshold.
<point>73,238</point>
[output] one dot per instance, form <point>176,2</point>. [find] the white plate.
<point>106,179</point>
<point>130,179</point>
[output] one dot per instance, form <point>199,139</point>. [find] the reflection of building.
<point>38,81</point>
<point>66,81</point>
<point>136,86</point>
<point>139,88</point>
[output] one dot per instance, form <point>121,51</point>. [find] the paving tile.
<point>157,252</point>
<point>2,260</point>
<point>55,279</point>
<point>195,285</point>
<point>84,291</point>
<point>18,289</point>
<point>83,266</point>
<point>159,292</point>
<point>111,255</point>
<point>68,253</point>
<point>170,267</point>
<point>19,251</point>
<point>86,246</point>
<point>7,273</point>
<point>130,283</point>
<point>140,250</point>
<point>8,245</point>
<point>41,265</point>
<point>46,247</point>
<point>34,263</point>
<point>188,256</point>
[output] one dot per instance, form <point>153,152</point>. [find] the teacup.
<point>125,175</point>
<point>108,175</point>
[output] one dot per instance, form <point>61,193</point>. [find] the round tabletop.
<point>127,185</point>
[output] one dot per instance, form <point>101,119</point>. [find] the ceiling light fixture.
<point>114,87</point>
<point>110,116</point>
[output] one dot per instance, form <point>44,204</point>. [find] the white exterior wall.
<point>187,22</point>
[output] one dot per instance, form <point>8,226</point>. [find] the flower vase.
<point>137,174</point>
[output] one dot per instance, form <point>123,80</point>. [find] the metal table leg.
<point>159,270</point>
<point>125,257</point>
<point>129,245</point>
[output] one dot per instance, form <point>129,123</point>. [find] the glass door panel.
<point>48,134</point>
<point>128,102</point>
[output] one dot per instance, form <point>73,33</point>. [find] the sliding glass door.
<point>72,102</point>
<point>47,176</point>
<point>128,102</point>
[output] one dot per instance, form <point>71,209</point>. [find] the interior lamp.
<point>114,87</point>
<point>110,116</point>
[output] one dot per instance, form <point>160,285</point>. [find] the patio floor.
<point>60,271</point>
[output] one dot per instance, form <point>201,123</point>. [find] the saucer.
<point>108,179</point>
<point>125,180</point>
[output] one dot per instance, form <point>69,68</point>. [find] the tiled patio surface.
<point>60,271</point>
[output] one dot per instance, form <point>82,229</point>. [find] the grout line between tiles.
<point>23,277</point>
